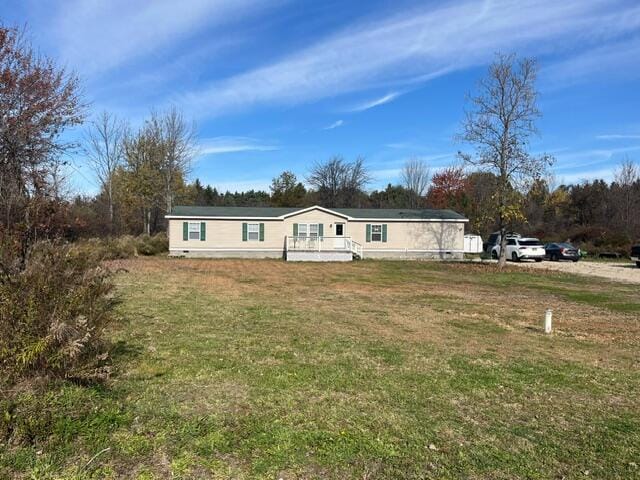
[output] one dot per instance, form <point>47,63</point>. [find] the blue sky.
<point>278,84</point>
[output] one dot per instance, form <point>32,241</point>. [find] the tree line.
<point>598,214</point>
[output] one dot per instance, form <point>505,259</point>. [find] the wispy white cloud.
<point>584,175</point>
<point>389,97</point>
<point>618,136</point>
<point>421,43</point>
<point>399,145</point>
<point>581,158</point>
<point>613,61</point>
<point>94,36</point>
<point>386,174</point>
<point>221,145</point>
<point>419,148</point>
<point>336,124</point>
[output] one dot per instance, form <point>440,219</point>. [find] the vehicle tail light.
<point>562,250</point>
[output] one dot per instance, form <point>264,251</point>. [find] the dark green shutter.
<point>295,229</point>
<point>384,232</point>
<point>244,232</point>
<point>321,229</point>
<point>185,231</point>
<point>203,231</point>
<point>262,232</point>
<point>368,232</point>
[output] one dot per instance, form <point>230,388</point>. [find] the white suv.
<point>521,249</point>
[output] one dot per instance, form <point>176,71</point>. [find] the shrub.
<point>126,246</point>
<point>152,245</point>
<point>53,311</point>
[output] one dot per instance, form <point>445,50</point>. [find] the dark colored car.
<point>561,251</point>
<point>494,239</point>
<point>635,254</point>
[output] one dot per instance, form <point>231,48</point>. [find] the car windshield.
<point>530,243</point>
<point>566,245</point>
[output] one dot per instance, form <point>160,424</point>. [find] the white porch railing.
<point>323,244</point>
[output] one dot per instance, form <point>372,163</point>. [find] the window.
<point>253,231</point>
<point>194,231</point>
<point>308,229</point>
<point>511,241</point>
<point>531,243</point>
<point>376,233</point>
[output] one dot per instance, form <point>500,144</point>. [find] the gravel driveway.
<point>618,271</point>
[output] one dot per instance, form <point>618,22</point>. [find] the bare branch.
<point>415,177</point>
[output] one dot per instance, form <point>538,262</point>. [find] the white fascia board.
<point>315,207</point>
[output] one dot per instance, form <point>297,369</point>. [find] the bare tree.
<point>104,145</point>
<point>178,139</point>
<point>415,178</point>
<point>627,176</point>
<point>501,121</point>
<point>338,183</point>
<point>326,178</point>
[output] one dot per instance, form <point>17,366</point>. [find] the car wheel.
<point>575,260</point>
<point>538,260</point>
<point>638,264</point>
<point>554,257</point>
<point>514,257</point>
<point>494,255</point>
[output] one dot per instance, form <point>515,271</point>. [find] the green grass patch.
<point>408,375</point>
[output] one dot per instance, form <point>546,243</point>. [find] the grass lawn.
<point>372,369</point>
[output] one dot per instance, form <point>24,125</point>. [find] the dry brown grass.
<point>417,308</point>
<point>267,369</point>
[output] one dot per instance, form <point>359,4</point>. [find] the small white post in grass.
<point>547,320</point>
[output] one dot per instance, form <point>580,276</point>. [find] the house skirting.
<point>318,256</point>
<point>406,254</point>
<point>226,253</point>
<point>322,256</point>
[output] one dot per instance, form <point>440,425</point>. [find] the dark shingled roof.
<point>400,213</point>
<point>265,212</point>
<point>248,212</point>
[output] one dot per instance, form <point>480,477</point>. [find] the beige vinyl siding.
<point>402,236</point>
<point>316,216</point>
<point>227,234</point>
<point>411,235</point>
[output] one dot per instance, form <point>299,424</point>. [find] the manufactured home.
<point>315,233</point>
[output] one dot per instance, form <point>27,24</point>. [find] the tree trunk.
<point>110,209</point>
<point>502,258</point>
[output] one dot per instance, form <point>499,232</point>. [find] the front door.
<point>338,241</point>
